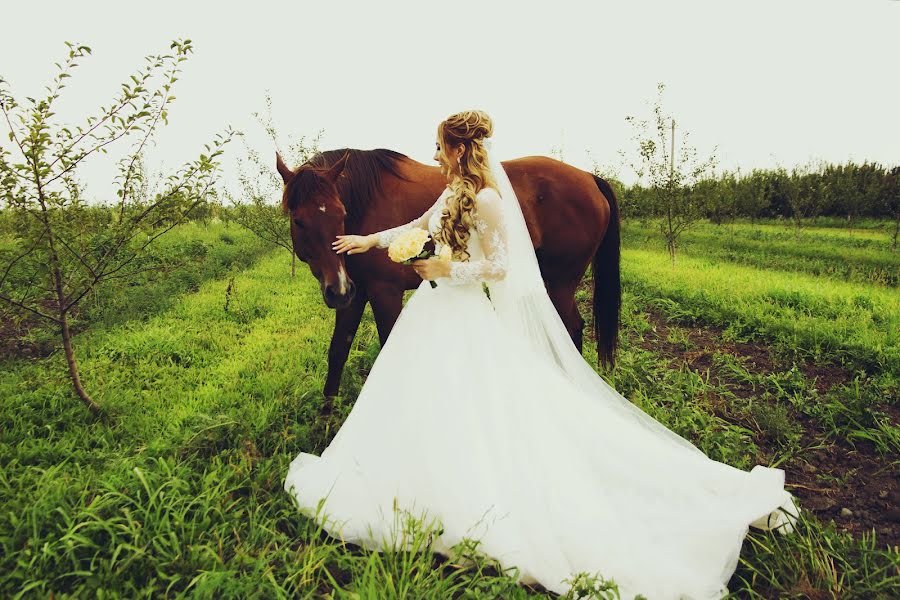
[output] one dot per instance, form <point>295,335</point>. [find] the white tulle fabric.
<point>478,415</point>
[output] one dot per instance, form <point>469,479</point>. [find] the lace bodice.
<point>487,241</point>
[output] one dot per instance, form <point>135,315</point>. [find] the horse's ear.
<point>286,173</point>
<point>335,170</point>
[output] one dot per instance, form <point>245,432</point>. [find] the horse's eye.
<point>298,223</point>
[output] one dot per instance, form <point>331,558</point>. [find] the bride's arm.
<point>492,233</point>
<point>385,237</point>
<point>354,244</point>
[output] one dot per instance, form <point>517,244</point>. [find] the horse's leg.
<point>346,322</point>
<point>562,294</point>
<point>387,302</point>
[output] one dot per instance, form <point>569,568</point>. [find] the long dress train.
<point>457,423</point>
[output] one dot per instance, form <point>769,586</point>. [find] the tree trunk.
<point>896,231</point>
<point>73,367</point>
<point>64,318</point>
<point>61,299</point>
<point>670,232</point>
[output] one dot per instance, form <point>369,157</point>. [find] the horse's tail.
<point>607,281</point>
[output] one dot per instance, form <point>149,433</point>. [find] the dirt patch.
<point>854,486</point>
<point>759,357</point>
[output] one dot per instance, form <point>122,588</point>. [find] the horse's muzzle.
<point>335,299</point>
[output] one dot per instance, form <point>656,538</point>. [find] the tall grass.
<point>842,321</point>
<point>206,251</point>
<point>179,491</point>
<point>825,254</point>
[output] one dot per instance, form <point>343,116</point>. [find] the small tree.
<point>717,196</point>
<point>872,178</point>
<point>889,201</point>
<point>258,204</point>
<point>803,192</point>
<point>63,250</point>
<point>751,198</point>
<point>668,178</point>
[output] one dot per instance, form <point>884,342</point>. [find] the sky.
<point>761,83</point>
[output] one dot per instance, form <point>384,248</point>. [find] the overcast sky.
<point>767,81</point>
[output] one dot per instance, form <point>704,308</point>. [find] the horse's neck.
<point>402,200</point>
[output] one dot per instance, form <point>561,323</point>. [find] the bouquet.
<point>415,244</point>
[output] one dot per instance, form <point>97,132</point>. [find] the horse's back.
<point>566,212</point>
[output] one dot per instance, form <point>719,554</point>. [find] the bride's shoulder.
<point>487,208</point>
<point>488,193</point>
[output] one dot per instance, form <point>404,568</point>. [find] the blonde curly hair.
<point>469,128</point>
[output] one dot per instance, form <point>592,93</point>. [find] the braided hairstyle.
<point>469,128</point>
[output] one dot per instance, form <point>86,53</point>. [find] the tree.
<point>751,198</point>
<point>669,179</point>
<point>889,201</point>
<point>841,190</point>
<point>258,208</point>
<point>871,179</point>
<point>62,250</point>
<point>717,196</point>
<point>802,190</point>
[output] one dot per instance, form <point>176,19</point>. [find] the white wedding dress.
<point>459,423</point>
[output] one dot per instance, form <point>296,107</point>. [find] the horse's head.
<point>317,215</point>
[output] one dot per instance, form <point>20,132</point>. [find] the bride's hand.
<point>353,244</point>
<point>431,268</point>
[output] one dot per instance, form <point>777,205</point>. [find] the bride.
<point>481,415</point>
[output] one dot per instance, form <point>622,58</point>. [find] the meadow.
<point>761,346</point>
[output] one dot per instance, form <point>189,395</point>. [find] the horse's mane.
<point>358,184</point>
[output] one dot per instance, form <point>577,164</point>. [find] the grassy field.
<point>864,256</point>
<point>178,490</point>
<point>207,251</point>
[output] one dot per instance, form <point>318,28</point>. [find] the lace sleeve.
<point>492,233</point>
<point>387,236</point>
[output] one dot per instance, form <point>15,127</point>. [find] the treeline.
<point>848,191</point>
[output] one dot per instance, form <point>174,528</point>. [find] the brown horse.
<point>572,216</point>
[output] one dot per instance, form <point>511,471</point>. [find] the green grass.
<point>210,251</point>
<point>213,250</point>
<point>825,253</point>
<point>865,227</point>
<point>177,491</point>
<point>850,323</point>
